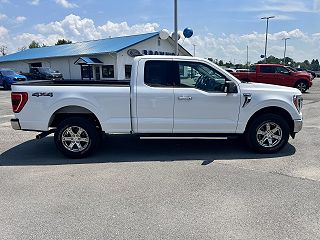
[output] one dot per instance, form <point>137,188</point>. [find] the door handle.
<point>185,98</point>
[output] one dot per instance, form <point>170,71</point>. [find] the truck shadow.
<point>131,149</point>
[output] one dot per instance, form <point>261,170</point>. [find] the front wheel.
<point>302,85</point>
<point>268,133</point>
<point>76,137</point>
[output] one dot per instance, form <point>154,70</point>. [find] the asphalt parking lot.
<point>161,189</point>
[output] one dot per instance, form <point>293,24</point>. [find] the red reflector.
<point>18,99</point>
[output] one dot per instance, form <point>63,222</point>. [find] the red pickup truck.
<point>276,74</point>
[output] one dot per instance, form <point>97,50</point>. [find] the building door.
<point>97,71</point>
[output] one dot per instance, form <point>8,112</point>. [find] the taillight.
<point>18,99</point>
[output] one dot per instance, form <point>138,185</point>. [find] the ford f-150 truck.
<point>276,74</point>
<point>167,96</point>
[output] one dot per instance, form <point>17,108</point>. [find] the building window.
<point>108,71</point>
<point>36,64</point>
<point>87,72</point>
<point>127,71</point>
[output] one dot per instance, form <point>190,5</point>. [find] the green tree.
<point>220,63</point>
<point>34,44</point>
<point>63,41</point>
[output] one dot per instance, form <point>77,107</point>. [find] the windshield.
<point>292,69</point>
<point>8,73</point>
<point>46,70</point>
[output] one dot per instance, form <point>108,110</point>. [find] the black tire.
<point>267,140</point>
<point>6,86</point>
<point>72,144</point>
<point>302,85</point>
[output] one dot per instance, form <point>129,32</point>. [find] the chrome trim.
<point>297,125</point>
<point>15,124</point>
<point>247,99</point>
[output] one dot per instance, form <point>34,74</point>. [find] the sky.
<point>222,28</point>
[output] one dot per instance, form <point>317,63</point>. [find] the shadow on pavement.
<point>132,149</point>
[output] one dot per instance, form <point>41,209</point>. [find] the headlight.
<point>298,102</point>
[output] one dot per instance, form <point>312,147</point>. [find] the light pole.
<point>285,50</point>
<point>266,44</point>
<point>176,26</point>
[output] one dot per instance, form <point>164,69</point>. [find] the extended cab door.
<point>266,74</point>
<point>201,104</point>
<point>155,97</point>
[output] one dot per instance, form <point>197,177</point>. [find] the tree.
<point>315,65</point>
<point>3,50</point>
<point>34,44</point>
<point>63,41</point>
<point>220,63</point>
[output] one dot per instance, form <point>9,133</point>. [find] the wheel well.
<point>301,80</point>
<point>73,111</point>
<point>274,110</point>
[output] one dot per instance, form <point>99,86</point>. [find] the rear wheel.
<point>6,86</point>
<point>77,137</point>
<point>268,133</point>
<point>302,85</point>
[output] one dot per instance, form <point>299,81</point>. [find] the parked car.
<point>314,75</point>
<point>276,74</point>
<point>159,101</point>
<point>8,77</point>
<point>43,73</point>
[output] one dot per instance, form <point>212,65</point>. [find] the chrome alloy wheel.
<point>302,86</point>
<point>75,139</point>
<point>269,134</point>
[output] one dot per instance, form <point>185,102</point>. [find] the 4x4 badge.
<point>42,94</point>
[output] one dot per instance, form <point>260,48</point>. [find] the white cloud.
<point>3,16</point>
<point>227,47</point>
<point>78,29</point>
<point>20,19</point>
<point>34,2</point>
<point>66,4</point>
<point>71,27</point>
<point>232,47</point>
<point>120,29</point>
<point>316,5</point>
<point>280,6</point>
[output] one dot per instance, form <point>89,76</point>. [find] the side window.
<point>200,76</point>
<point>282,70</point>
<point>157,74</point>
<point>267,69</point>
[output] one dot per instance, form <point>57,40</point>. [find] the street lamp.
<point>265,48</point>
<point>285,50</point>
<point>176,26</point>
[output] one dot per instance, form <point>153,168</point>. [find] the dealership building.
<point>105,59</point>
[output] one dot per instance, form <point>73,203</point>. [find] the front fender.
<point>248,111</point>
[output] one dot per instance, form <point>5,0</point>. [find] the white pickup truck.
<point>167,96</point>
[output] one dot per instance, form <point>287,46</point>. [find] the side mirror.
<point>231,87</point>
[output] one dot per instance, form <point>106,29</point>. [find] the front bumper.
<point>297,125</point>
<point>15,124</point>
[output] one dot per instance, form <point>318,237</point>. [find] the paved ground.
<point>161,189</point>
